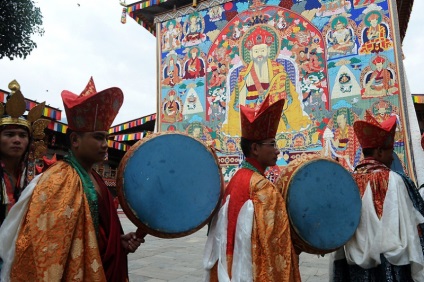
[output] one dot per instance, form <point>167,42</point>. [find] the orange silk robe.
<point>273,254</point>
<point>57,240</point>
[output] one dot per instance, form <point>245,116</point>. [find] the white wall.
<point>417,150</point>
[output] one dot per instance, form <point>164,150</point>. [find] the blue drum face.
<point>172,183</point>
<point>323,204</point>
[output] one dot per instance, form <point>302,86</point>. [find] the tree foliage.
<point>19,20</point>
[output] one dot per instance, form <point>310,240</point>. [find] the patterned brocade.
<point>273,254</point>
<point>69,252</point>
<point>377,175</point>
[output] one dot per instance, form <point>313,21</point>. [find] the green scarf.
<point>89,190</point>
<point>246,164</point>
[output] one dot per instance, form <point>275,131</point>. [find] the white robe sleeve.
<point>395,235</point>
<point>242,269</point>
<point>216,245</point>
<point>10,229</point>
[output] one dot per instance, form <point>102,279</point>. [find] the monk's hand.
<point>130,242</point>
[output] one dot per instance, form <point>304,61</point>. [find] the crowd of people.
<point>63,225</point>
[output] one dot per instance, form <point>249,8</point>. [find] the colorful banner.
<point>117,145</point>
<point>331,61</point>
<point>133,8</point>
<point>418,98</point>
<point>144,4</point>
<point>58,127</point>
<point>3,96</point>
<point>131,124</point>
<point>129,137</point>
<point>48,111</point>
<point>124,16</point>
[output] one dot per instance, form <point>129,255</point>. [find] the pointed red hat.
<point>259,36</point>
<point>92,110</point>
<point>372,134</point>
<point>263,123</point>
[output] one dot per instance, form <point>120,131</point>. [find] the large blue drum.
<point>323,204</point>
<point>169,184</point>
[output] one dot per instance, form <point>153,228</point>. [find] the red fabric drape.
<point>114,258</point>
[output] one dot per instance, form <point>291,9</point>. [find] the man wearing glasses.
<point>249,239</point>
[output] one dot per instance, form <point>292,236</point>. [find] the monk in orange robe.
<point>249,239</point>
<point>67,226</point>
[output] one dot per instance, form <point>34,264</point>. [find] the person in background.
<point>387,243</point>
<point>16,134</point>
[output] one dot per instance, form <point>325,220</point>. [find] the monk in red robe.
<point>249,239</point>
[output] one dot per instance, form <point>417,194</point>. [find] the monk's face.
<point>266,152</point>
<point>13,142</point>
<point>260,53</point>
<point>89,147</point>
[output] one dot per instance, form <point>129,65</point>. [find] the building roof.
<point>144,12</point>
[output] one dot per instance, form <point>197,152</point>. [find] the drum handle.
<point>140,233</point>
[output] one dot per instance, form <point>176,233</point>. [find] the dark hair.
<point>68,137</point>
<point>368,152</point>
<point>246,146</point>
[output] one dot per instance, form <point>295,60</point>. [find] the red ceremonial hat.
<point>259,36</point>
<point>92,110</point>
<point>261,124</point>
<point>378,59</point>
<point>372,134</point>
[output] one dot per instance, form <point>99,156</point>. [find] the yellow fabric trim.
<point>57,240</point>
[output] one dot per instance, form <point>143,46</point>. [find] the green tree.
<point>19,20</point>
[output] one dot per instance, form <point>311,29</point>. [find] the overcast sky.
<point>89,40</point>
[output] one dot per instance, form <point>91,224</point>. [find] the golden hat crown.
<point>12,112</point>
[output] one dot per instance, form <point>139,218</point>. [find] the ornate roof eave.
<point>404,8</point>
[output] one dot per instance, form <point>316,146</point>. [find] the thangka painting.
<point>331,60</point>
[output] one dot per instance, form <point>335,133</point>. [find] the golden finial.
<point>14,86</point>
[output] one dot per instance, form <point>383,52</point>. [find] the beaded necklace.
<point>246,164</point>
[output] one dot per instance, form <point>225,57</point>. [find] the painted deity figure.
<point>340,37</point>
<point>382,110</point>
<point>171,108</point>
<point>262,77</point>
<point>380,82</point>
<point>171,36</point>
<point>345,144</point>
<point>215,13</point>
<point>375,36</point>
<point>194,66</point>
<point>171,71</point>
<point>193,30</point>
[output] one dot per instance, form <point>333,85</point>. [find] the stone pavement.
<point>180,260</point>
